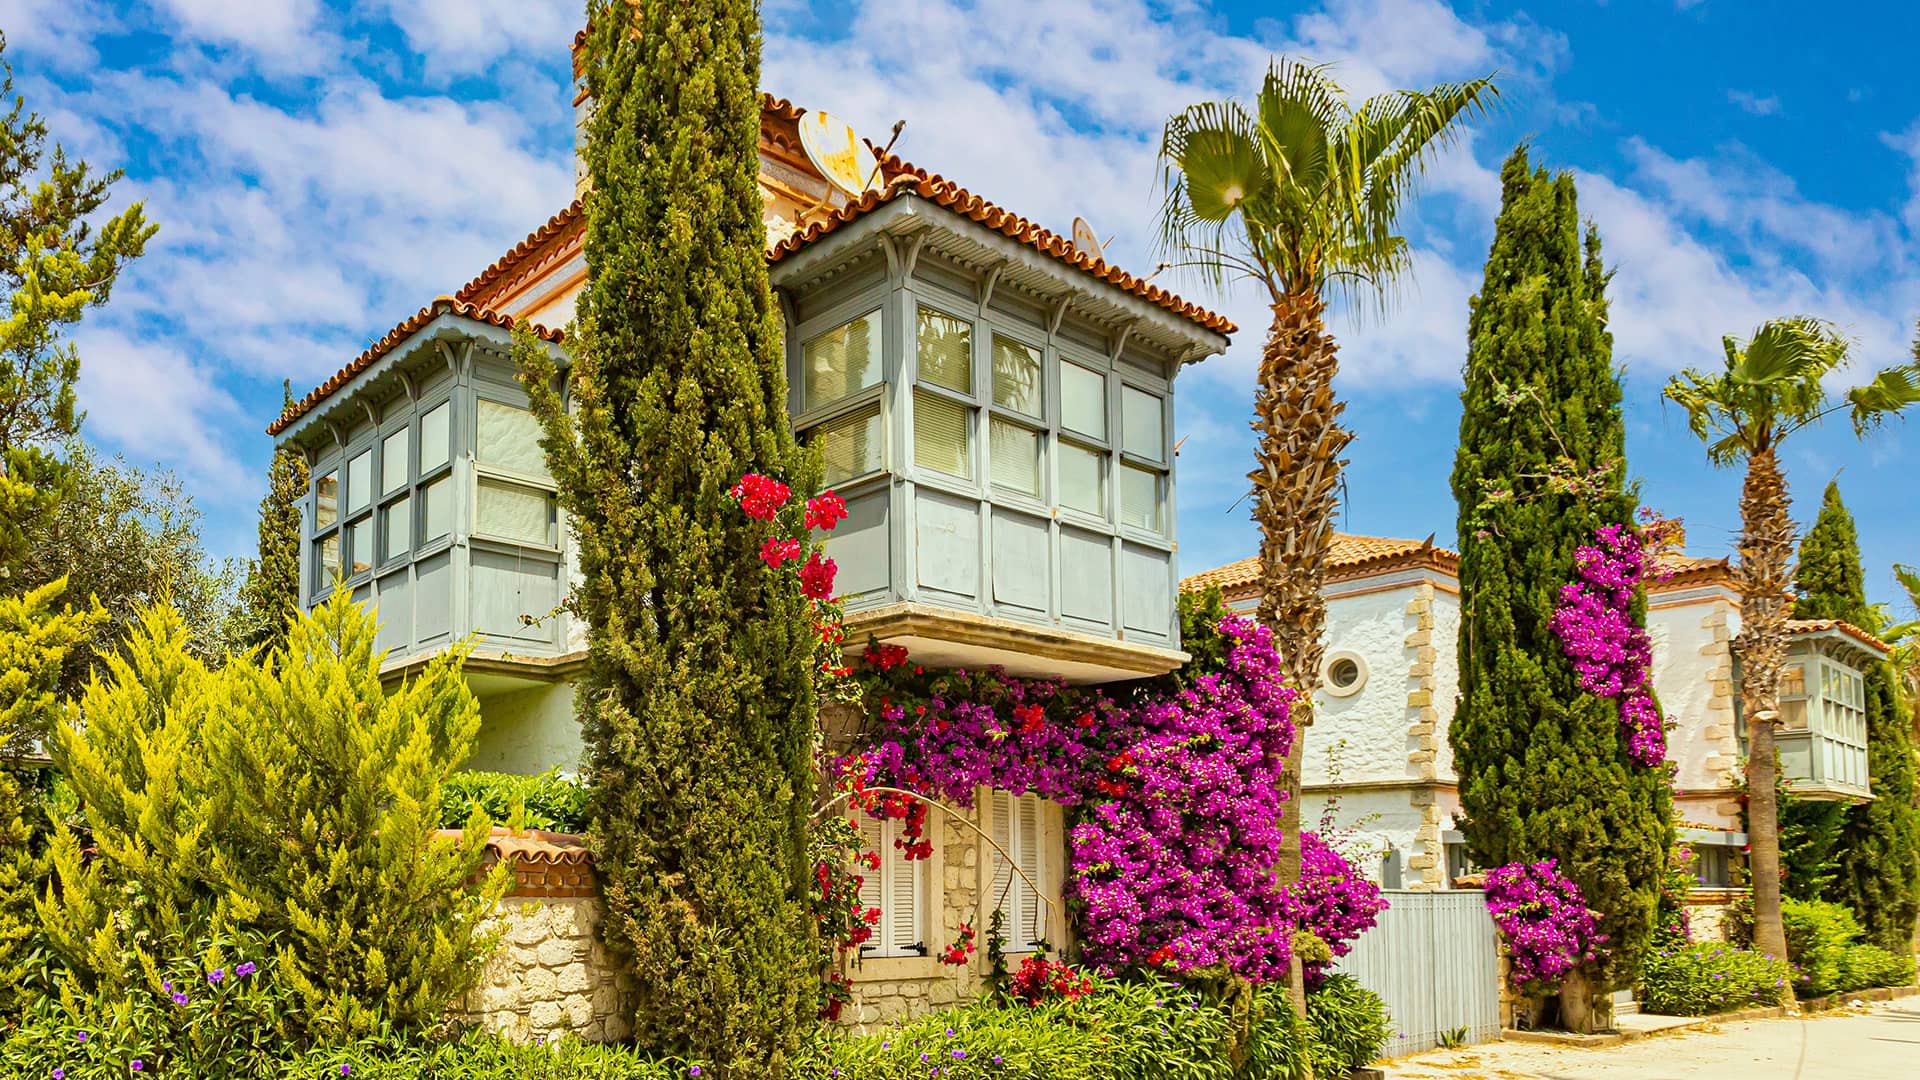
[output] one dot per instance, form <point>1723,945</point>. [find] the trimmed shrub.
<point>1710,977</point>
<point>1863,966</point>
<point>1348,1024</point>
<point>1823,941</point>
<point>548,801</point>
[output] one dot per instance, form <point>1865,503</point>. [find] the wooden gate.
<point>1434,958</point>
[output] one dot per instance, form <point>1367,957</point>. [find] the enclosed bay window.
<point>513,493</point>
<point>897,888</point>
<point>1144,471</point>
<point>1019,826</point>
<point>843,361</point>
<point>841,373</point>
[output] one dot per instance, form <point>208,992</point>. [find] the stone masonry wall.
<point>550,976</point>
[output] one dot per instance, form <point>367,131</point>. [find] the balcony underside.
<point>942,637</point>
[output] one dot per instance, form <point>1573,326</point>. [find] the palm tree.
<point>1304,196</point>
<point>1905,636</point>
<point>1770,388</point>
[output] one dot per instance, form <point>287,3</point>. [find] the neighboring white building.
<point>1378,746</point>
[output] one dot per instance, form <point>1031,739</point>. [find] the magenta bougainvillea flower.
<point>1611,655</point>
<point>1548,929</point>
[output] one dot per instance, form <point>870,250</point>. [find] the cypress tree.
<point>1875,858</point>
<point>1544,769</point>
<point>270,597</point>
<point>697,705</point>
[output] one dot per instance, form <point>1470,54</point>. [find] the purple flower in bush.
<point>216,975</point>
<point>1545,921</point>
<point>59,1074</point>
<point>83,1036</point>
<point>179,999</point>
<point>245,969</point>
<point>136,1065</point>
<point>1610,654</point>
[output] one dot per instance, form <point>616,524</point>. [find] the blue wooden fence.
<point>1434,959</point>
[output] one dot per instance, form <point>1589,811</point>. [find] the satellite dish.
<point>846,162</point>
<point>1085,241</point>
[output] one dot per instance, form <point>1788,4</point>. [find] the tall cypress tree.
<point>270,597</point>
<point>1876,858</point>
<point>1544,769</point>
<point>697,704</point>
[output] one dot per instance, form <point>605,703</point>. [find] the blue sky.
<point>320,171</point>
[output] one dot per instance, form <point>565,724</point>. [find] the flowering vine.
<point>1611,653</point>
<point>1548,928</point>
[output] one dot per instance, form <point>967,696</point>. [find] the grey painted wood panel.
<point>1022,571</point>
<point>509,585</point>
<point>947,535</point>
<point>859,547</point>
<point>433,596</point>
<point>1433,957</point>
<point>1146,591</point>
<point>1086,577</point>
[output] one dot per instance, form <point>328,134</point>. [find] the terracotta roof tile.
<point>1816,626</point>
<point>556,226</point>
<point>1350,556</point>
<point>444,305</point>
<point>533,846</point>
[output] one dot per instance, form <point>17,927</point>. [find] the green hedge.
<point>1823,941</point>
<point>1124,1031</point>
<point>1710,977</point>
<point>548,801</point>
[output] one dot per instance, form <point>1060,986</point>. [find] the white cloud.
<point>1755,103</point>
<point>154,404</point>
<point>281,34</point>
<point>467,36</point>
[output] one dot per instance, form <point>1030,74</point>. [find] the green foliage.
<point>697,706</point>
<point>1710,977</point>
<point>1823,941</point>
<point>270,598</point>
<point>1870,854</point>
<point>57,263</point>
<point>548,801</point>
<point>1304,192</point>
<point>1544,768</point>
<point>129,538</point>
<point>1349,1024</point>
<point>1810,834</point>
<point>287,801</point>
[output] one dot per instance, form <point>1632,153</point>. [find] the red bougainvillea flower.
<point>825,510</point>
<point>816,578</point>
<point>775,552</point>
<point>761,497</point>
<point>884,657</point>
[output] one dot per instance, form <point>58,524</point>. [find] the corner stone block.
<point>555,952</point>
<point>547,1016</point>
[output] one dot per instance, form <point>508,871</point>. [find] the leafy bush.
<point>1823,940</point>
<point>1863,966</point>
<point>287,799</point>
<point>548,801</point>
<point>1349,1026</point>
<point>1710,977</point>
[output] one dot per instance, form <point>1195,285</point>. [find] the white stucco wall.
<point>1693,679</point>
<point>1367,729</point>
<point>528,731</point>
<point>1446,675</point>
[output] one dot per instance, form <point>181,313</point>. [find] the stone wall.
<point>551,975</point>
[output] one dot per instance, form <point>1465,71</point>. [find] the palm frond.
<point>1421,125</point>
<point>1210,167</point>
<point>1789,350</point>
<point>1890,392</point>
<point>1299,106</point>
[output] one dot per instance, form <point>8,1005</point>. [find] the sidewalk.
<point>1873,1042</point>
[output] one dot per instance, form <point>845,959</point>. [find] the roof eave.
<point>906,214</point>
<point>447,326</point>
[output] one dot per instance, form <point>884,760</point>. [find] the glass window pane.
<point>1016,377</point>
<point>393,462</point>
<point>326,500</point>
<point>396,529</point>
<point>1015,453</point>
<point>851,445</point>
<point>842,361</point>
<point>513,512</point>
<point>1083,481</point>
<point>360,481</point>
<point>940,435</point>
<point>435,436</point>
<point>326,562</point>
<point>360,545</point>
<point>1141,423</point>
<point>1141,502</point>
<point>510,439</point>
<point>436,509</point>
<point>946,351</point>
<point>1083,400</point>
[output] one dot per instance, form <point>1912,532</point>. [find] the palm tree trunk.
<point>1295,484</point>
<point>1766,543</point>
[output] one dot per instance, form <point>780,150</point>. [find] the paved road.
<point>1879,1042</point>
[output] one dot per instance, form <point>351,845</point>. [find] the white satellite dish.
<point>1085,241</point>
<point>834,149</point>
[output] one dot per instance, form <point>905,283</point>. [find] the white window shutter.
<point>872,882</point>
<point>1000,827</point>
<point>1028,838</point>
<point>903,914</point>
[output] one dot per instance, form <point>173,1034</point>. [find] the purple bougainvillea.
<point>1611,654</point>
<point>1178,836</point>
<point>1548,928</point>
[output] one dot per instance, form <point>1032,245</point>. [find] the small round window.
<point>1343,674</point>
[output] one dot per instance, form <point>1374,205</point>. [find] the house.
<point>995,405</point>
<point>1378,747</point>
